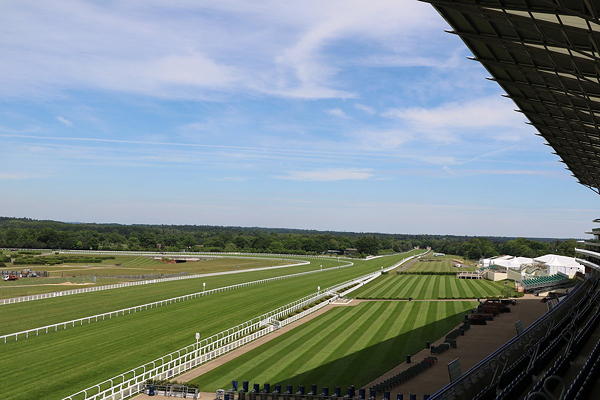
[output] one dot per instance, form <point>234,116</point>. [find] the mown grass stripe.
<point>419,288</point>
<point>463,290</point>
<point>315,351</point>
<point>352,346</point>
<point>475,288</point>
<point>297,343</point>
<point>388,287</point>
<point>433,288</point>
<point>394,351</point>
<point>447,288</point>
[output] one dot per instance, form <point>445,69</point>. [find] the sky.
<point>353,115</point>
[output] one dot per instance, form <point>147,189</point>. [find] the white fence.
<point>109,315</point>
<point>175,363</point>
<point>41,296</point>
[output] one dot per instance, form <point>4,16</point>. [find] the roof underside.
<point>546,55</point>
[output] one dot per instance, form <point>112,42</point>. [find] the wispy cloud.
<point>364,108</point>
<point>64,121</point>
<point>328,175</point>
<point>337,112</point>
<point>269,47</point>
<point>492,116</point>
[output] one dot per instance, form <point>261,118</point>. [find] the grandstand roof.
<point>545,54</point>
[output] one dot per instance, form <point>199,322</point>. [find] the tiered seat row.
<point>405,375</point>
<point>564,339</point>
<point>544,281</point>
<point>588,375</point>
<point>508,372</point>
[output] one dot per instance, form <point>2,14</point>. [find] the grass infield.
<point>438,264</point>
<point>394,286</point>
<point>345,346</point>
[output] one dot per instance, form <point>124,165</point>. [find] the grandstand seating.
<point>535,370</point>
<point>535,364</point>
<point>405,375</point>
<point>545,281</point>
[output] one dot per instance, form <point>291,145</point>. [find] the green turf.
<point>394,286</point>
<point>122,269</point>
<point>345,346</point>
<point>438,264</point>
<point>54,310</point>
<point>67,361</point>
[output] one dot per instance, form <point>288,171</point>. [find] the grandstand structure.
<point>545,55</point>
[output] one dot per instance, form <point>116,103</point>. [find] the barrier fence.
<point>109,315</point>
<point>175,363</point>
<point>170,365</point>
<point>69,292</point>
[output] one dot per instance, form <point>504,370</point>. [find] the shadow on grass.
<point>362,367</point>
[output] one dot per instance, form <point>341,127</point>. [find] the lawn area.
<point>438,264</point>
<point>64,362</point>
<point>394,286</point>
<point>345,346</point>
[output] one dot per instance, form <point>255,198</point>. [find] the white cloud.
<point>328,175</point>
<point>365,108</point>
<point>484,112</point>
<point>337,112</point>
<point>176,49</point>
<point>64,121</point>
<point>492,117</point>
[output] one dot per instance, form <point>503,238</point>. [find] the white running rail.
<point>133,381</point>
<point>41,296</point>
<point>109,315</point>
<point>177,362</point>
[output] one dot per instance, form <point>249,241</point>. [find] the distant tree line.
<point>29,233</point>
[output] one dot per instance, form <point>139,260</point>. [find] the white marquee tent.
<point>556,263</point>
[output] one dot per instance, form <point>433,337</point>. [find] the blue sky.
<point>341,115</point>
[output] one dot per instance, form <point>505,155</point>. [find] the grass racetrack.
<point>64,362</point>
<point>345,346</point>
<point>394,286</point>
<point>54,310</point>
<point>122,269</point>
